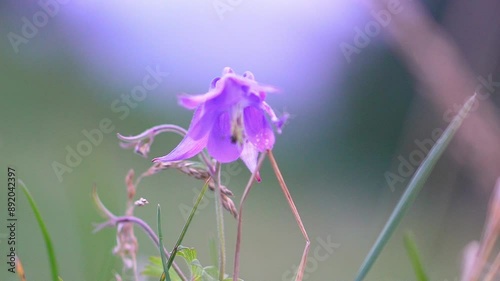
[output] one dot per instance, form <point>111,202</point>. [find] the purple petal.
<point>225,92</point>
<point>249,156</point>
<point>278,122</point>
<point>194,141</point>
<point>191,102</point>
<point>214,83</point>
<point>248,75</point>
<point>257,128</point>
<point>202,122</point>
<point>186,149</point>
<point>220,145</point>
<point>227,70</point>
<point>232,89</point>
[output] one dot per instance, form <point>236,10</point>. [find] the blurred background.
<point>366,83</point>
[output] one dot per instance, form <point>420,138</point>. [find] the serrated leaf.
<point>155,269</point>
<point>189,254</point>
<point>210,273</point>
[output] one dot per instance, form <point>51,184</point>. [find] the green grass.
<point>416,184</point>
<point>45,233</point>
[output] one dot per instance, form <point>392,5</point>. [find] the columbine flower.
<point>229,120</point>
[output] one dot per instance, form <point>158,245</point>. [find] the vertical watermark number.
<point>11,219</point>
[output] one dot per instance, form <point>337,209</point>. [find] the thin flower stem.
<point>188,222</point>
<point>114,221</point>
<point>303,260</point>
<point>220,225</point>
<point>240,217</point>
<point>483,254</point>
<point>494,269</point>
<point>152,132</point>
<point>160,244</point>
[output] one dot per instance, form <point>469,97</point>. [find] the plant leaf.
<point>416,262</point>
<point>45,233</point>
<point>155,269</point>
<point>414,187</point>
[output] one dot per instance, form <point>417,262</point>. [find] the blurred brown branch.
<point>445,77</point>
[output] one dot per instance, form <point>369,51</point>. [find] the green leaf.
<point>45,233</point>
<point>414,187</point>
<point>189,254</point>
<point>155,269</point>
<point>211,273</point>
<point>416,262</point>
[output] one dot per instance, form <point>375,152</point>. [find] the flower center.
<point>237,131</point>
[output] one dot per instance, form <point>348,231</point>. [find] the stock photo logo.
<point>120,106</point>
<point>321,252</point>
<point>362,37</point>
<point>30,27</point>
<point>407,166</point>
<point>221,7</point>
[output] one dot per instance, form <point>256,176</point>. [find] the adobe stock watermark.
<point>371,29</point>
<point>320,253</point>
<point>121,107</point>
<point>228,171</point>
<point>407,166</point>
<point>223,6</point>
<point>30,26</point>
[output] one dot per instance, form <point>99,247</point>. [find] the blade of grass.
<point>45,233</point>
<point>414,187</point>
<point>186,225</point>
<point>162,254</point>
<point>168,263</point>
<point>416,261</point>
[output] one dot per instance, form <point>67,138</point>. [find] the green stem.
<point>45,233</point>
<point>220,226</point>
<point>186,226</point>
<point>165,274</point>
<point>416,261</point>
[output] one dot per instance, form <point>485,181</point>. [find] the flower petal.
<point>186,149</point>
<point>193,143</point>
<point>191,102</point>
<point>249,156</point>
<point>223,92</point>
<point>214,83</point>
<point>202,122</point>
<point>232,89</point>
<point>257,128</point>
<point>278,122</point>
<point>220,145</point>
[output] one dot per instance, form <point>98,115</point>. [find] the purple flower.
<point>229,120</point>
